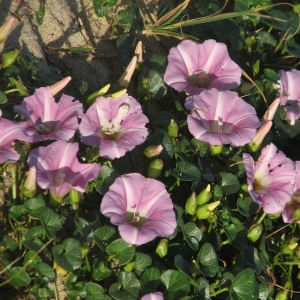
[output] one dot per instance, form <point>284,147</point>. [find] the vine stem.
<point>219,292</point>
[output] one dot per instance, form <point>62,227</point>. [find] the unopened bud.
<point>58,86</point>
<point>269,115</point>
<point>244,187</point>
<point>75,196</point>
<point>255,232</point>
<point>124,80</point>
<point>9,58</point>
<point>29,186</point>
<point>296,216</point>
<point>154,150</point>
<point>173,129</point>
<point>155,167</point>
<point>162,248</point>
<point>216,150</point>
<point>92,97</point>
<point>84,250</point>
<point>205,210</point>
<point>118,94</point>
<point>5,29</point>
<point>191,204</point>
<point>204,196</point>
<point>259,137</point>
<point>129,267</point>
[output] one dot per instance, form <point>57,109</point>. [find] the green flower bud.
<point>28,188</point>
<point>297,251</point>
<point>191,204</point>
<point>204,196</point>
<point>255,232</point>
<point>162,248</point>
<point>75,196</point>
<point>216,150</point>
<point>84,250</point>
<point>155,167</point>
<point>154,150</point>
<point>244,187</point>
<point>9,58</point>
<point>296,214</point>
<point>129,267</point>
<point>283,294</point>
<point>285,249</point>
<point>204,211</point>
<point>119,94</point>
<point>92,97</point>
<point>173,129</point>
<point>251,147</point>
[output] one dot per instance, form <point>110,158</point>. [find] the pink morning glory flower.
<point>294,204</point>
<point>290,94</point>
<point>141,207</point>
<point>194,67</point>
<point>153,296</point>
<point>47,119</point>
<point>115,125</point>
<point>10,131</point>
<point>271,179</point>
<point>221,117</point>
<point>59,170</point>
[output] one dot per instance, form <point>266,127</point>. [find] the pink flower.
<point>9,131</point>
<point>48,120</point>
<point>115,125</point>
<point>194,67</point>
<point>271,179</point>
<point>141,207</point>
<point>59,170</point>
<point>153,296</point>
<point>294,204</point>
<point>221,117</point>
<point>290,94</point>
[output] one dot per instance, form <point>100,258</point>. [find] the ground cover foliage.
<point>158,194</point>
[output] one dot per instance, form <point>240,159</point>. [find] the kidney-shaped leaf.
<point>208,260</point>
<point>120,248</point>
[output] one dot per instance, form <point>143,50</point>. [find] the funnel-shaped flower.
<point>59,170</point>
<point>115,125</point>
<point>221,117</point>
<point>153,296</point>
<point>271,179</point>
<point>10,131</point>
<point>141,207</point>
<point>194,67</point>
<point>48,120</point>
<point>290,94</point>
<point>294,204</point>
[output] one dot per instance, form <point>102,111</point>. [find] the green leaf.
<point>279,14</point>
<point>94,291</point>
<point>208,260</point>
<point>202,290</point>
<point>142,261</point>
<point>101,6</point>
<point>150,280</point>
<point>183,266</point>
<point>83,230</point>
<point>176,283</point>
<point>122,250</point>
<point>16,211</point>
<point>158,62</point>
<point>125,19</point>
<point>266,44</point>
<point>186,171</point>
<point>105,179</point>
<point>201,147</point>
<point>100,270</point>
<point>51,222</point>
<point>35,206</point>
<point>45,271</point>
<point>31,238</point>
<point>127,288</point>
<point>244,285</point>
<point>160,137</point>
<point>103,236</point>
<point>68,254</point>
<point>19,277</point>
<point>3,98</point>
<point>157,87</point>
<point>229,183</point>
<point>192,235</point>
<point>30,256</point>
<point>246,206</point>
<point>126,46</point>
<point>9,243</point>
<point>251,259</point>
<point>40,13</point>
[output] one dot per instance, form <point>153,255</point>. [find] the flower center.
<point>134,218</point>
<point>220,124</point>
<point>200,79</point>
<point>42,129</point>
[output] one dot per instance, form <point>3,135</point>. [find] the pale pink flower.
<point>269,114</point>
<point>141,207</point>
<point>59,170</point>
<point>5,29</point>
<point>194,67</point>
<point>115,125</point>
<point>290,94</point>
<point>47,119</point>
<point>271,179</point>
<point>221,117</point>
<point>153,296</point>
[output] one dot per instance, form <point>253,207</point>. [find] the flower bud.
<point>129,267</point>
<point>9,58</point>
<point>124,80</point>
<point>155,167</point>
<point>75,196</point>
<point>191,204</point>
<point>92,97</point>
<point>296,216</point>
<point>255,232</point>
<point>29,186</point>
<point>154,150</point>
<point>84,250</point>
<point>244,187</point>
<point>204,211</point>
<point>269,115</point>
<point>216,150</point>
<point>162,248</point>
<point>58,86</point>
<point>119,94</point>
<point>204,196</point>
<point>173,129</point>
<point>283,294</point>
<point>5,29</point>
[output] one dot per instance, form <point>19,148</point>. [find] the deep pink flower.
<point>9,131</point>
<point>221,117</point>
<point>271,179</point>
<point>48,120</point>
<point>59,170</point>
<point>290,94</point>
<point>115,125</point>
<point>153,296</point>
<point>194,67</point>
<point>294,204</point>
<point>141,207</point>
